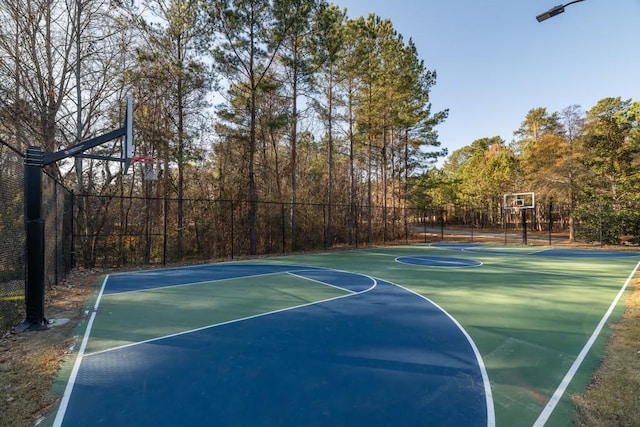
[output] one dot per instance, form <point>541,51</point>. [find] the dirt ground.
<point>29,361</point>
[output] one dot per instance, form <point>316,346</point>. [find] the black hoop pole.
<point>524,226</point>
<point>550,221</point>
<point>34,229</point>
<point>35,159</point>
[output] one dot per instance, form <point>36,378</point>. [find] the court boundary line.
<point>321,282</point>
<point>566,380</point>
<point>504,250</point>
<point>242,319</point>
<point>479,263</point>
<point>215,325</point>
<point>202,282</point>
<point>491,416</point>
<point>64,402</point>
<point>62,408</point>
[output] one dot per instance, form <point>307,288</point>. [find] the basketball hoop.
<point>149,166</point>
<point>516,206</point>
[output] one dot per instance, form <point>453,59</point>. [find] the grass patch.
<point>612,397</point>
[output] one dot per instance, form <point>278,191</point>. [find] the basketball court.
<point>449,334</point>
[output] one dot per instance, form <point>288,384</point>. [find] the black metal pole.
<point>73,230</point>
<point>165,208</point>
<point>524,226</point>
<point>324,227</point>
<point>473,222</point>
<point>34,228</point>
<point>232,230</point>
<point>283,228</point>
<point>424,225</point>
<point>504,221</point>
<point>550,221</point>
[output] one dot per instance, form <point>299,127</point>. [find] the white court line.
<point>254,316</point>
<point>62,409</point>
<point>320,282</point>
<point>215,325</point>
<point>500,250</point>
<point>553,402</point>
<point>179,285</point>
<point>491,415</point>
<point>542,250</point>
<point>76,367</point>
<point>454,263</point>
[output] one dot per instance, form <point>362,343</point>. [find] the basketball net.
<point>515,207</point>
<point>149,171</point>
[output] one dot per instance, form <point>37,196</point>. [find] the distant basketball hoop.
<point>519,203</point>
<point>149,166</point>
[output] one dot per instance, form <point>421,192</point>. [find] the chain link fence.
<point>547,223</point>
<point>12,267</point>
<point>137,230</point>
<point>124,231</point>
<point>57,212</point>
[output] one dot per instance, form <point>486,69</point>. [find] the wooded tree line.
<point>589,162</point>
<point>253,100</point>
<point>281,101</point>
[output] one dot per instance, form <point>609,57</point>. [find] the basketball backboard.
<point>514,201</point>
<point>127,142</point>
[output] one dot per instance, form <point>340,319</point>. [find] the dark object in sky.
<point>556,10</point>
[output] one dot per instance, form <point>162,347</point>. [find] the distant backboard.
<point>516,201</point>
<point>127,143</point>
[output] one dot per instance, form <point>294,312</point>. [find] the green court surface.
<point>530,311</point>
<point>143,315</point>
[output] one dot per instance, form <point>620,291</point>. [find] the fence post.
<point>73,230</point>
<point>550,220</point>
<point>324,226</point>
<point>283,227</point>
<point>424,224</point>
<point>232,230</point>
<point>165,226</point>
<point>473,222</point>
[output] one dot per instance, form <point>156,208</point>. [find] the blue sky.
<point>495,62</point>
